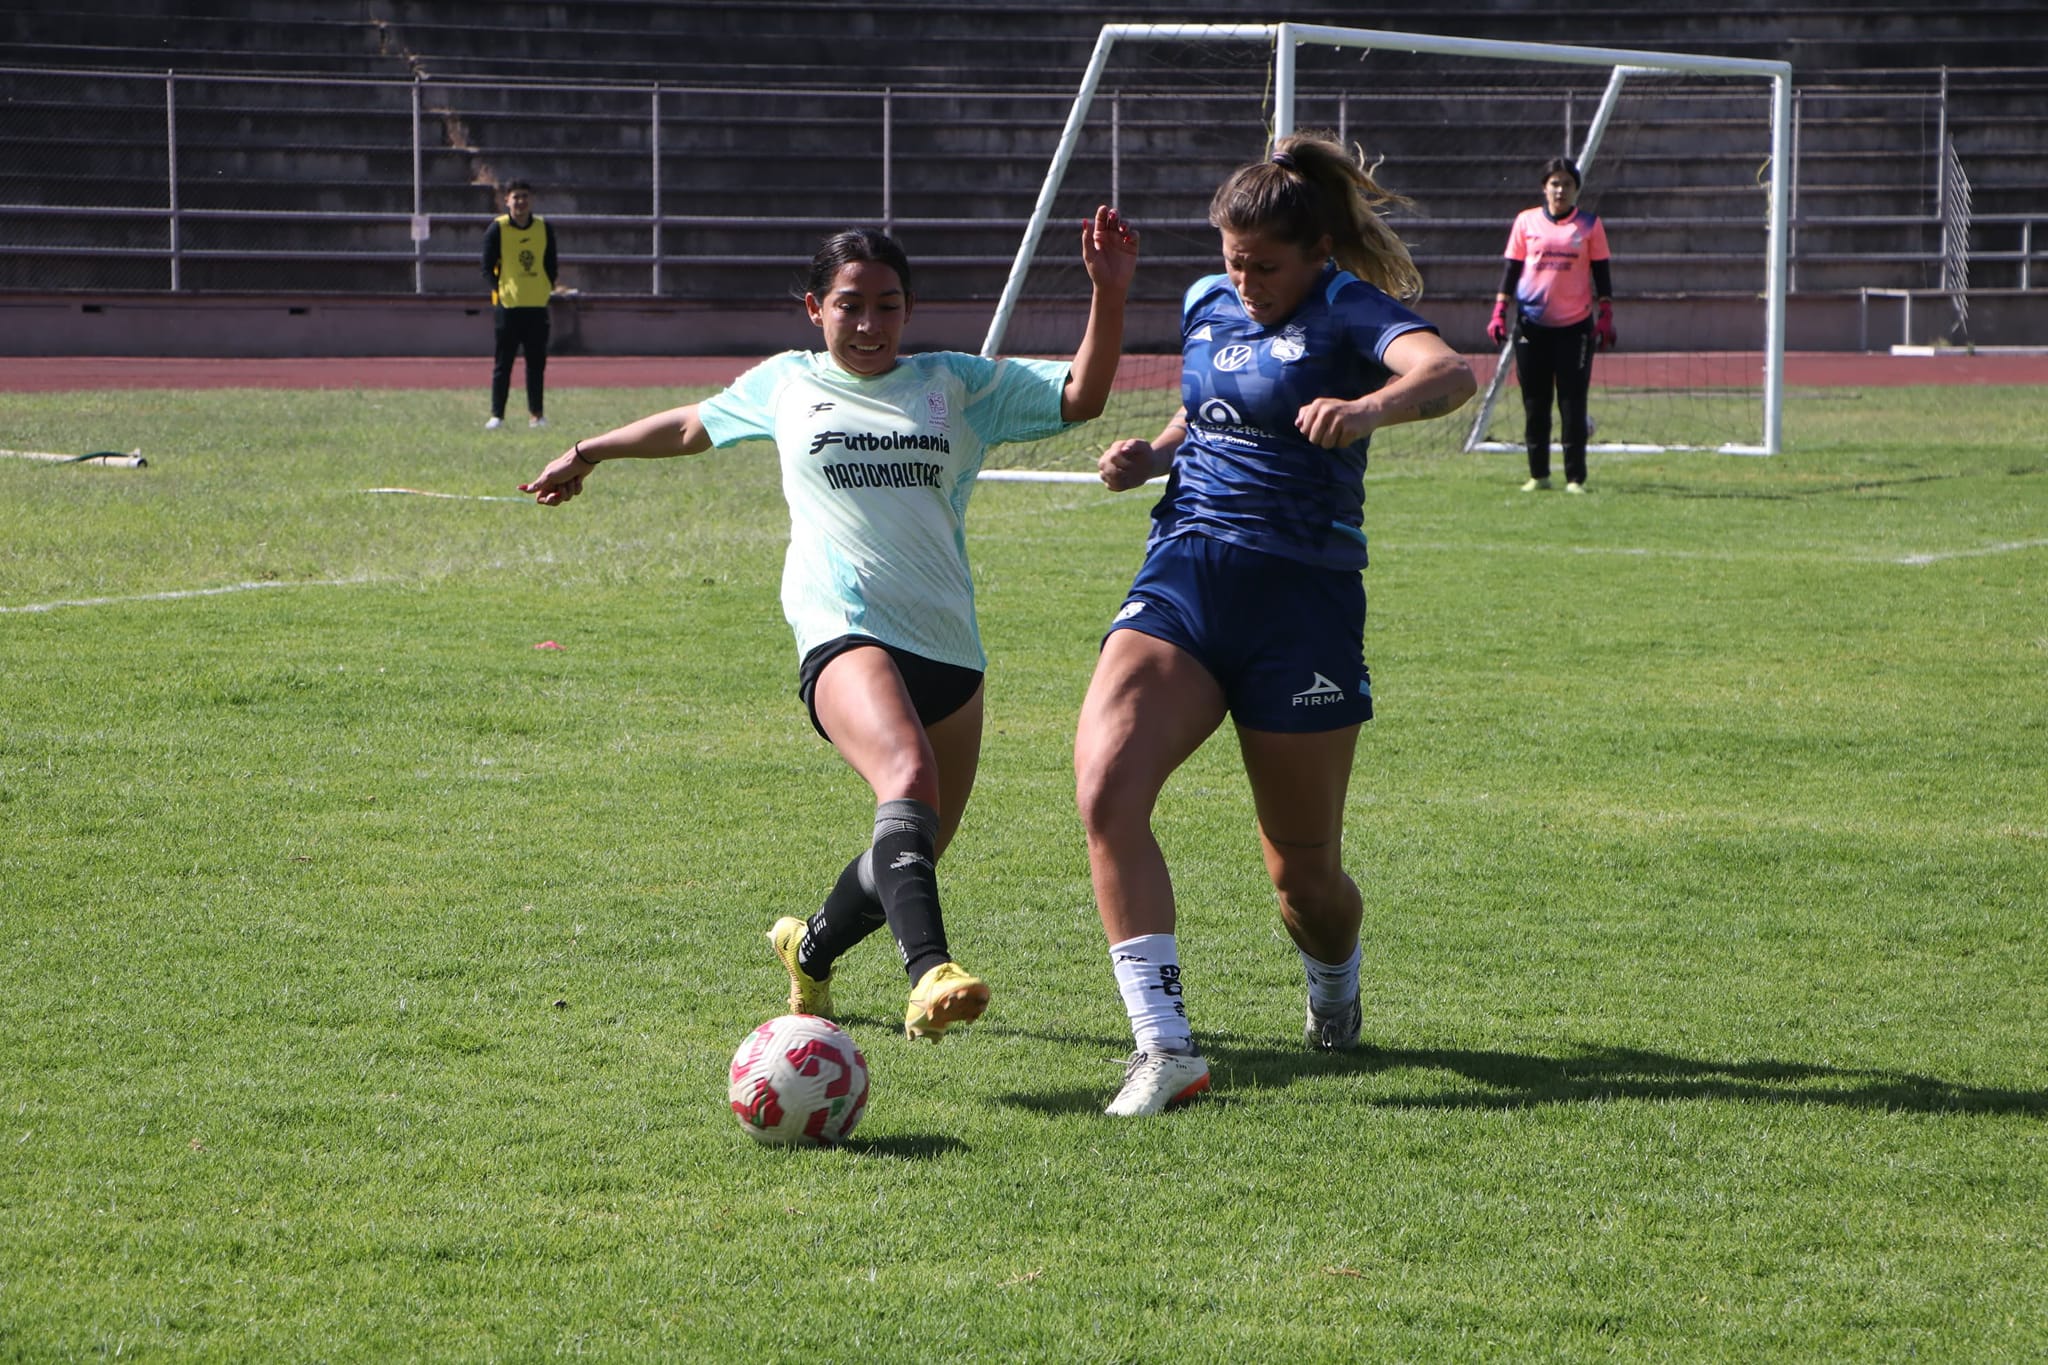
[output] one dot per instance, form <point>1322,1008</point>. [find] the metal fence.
<point>169,181</point>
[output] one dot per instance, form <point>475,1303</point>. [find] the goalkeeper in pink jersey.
<point>1557,275</point>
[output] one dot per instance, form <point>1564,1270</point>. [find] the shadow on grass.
<point>905,1146</point>
<point>1515,1080</point>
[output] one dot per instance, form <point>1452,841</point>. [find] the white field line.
<point>181,595</point>
<point>2007,548</point>
<point>461,497</point>
<point>1726,556</point>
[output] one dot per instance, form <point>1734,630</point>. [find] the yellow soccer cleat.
<point>806,995</point>
<point>946,995</point>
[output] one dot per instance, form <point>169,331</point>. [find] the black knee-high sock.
<point>850,913</point>
<point>907,882</point>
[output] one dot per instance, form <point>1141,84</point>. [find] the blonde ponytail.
<point>1311,188</point>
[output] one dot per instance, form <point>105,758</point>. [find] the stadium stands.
<point>298,173</point>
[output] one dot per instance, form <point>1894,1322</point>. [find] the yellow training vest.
<point>521,251</point>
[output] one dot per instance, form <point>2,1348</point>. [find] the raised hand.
<point>1109,250</point>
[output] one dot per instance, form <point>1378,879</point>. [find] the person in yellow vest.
<point>519,261</point>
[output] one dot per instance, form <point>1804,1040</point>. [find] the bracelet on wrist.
<point>577,446</point>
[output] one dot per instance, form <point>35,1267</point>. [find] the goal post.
<point>1164,111</point>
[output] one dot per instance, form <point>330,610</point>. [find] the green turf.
<point>370,974</point>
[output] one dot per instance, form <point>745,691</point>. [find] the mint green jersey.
<point>877,473</point>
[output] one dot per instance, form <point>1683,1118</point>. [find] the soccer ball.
<point>798,1081</point>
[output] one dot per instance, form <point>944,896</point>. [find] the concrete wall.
<point>265,327</point>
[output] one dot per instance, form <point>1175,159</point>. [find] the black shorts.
<point>937,690</point>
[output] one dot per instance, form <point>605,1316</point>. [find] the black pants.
<point>1559,360</point>
<point>517,327</point>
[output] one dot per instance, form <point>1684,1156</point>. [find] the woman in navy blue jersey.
<point>1250,602</point>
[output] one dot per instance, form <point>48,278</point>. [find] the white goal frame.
<point>1287,38</point>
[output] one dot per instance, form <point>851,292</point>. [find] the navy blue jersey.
<point>1243,473</point>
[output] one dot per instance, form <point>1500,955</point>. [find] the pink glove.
<point>1498,328</point>
<point>1603,326</point>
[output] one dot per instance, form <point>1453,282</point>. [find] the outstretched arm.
<point>1109,250</point>
<point>675,432</point>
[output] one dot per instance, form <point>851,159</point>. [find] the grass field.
<point>370,973</point>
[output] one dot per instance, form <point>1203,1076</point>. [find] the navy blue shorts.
<point>1285,640</point>
<point>937,690</point>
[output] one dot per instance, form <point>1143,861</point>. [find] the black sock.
<point>907,882</point>
<point>850,914</point>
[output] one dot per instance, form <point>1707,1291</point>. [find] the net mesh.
<point>1679,176</point>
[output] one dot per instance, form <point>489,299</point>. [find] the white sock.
<point>1148,975</point>
<point>1331,986</point>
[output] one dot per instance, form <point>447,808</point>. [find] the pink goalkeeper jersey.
<point>1556,288</point>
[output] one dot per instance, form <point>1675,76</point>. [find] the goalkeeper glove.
<point>1497,329</point>
<point>1603,325</point>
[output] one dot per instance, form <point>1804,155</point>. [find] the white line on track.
<point>181,595</point>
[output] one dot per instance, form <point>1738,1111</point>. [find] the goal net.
<point>1683,158</point>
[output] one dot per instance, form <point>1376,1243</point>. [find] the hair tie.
<point>1286,160</point>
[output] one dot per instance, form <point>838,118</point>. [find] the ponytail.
<point>1312,188</point>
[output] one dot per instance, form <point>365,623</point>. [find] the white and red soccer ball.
<point>798,1081</point>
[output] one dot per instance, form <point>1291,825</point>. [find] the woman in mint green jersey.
<point>880,452</point>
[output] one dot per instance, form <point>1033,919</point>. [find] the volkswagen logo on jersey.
<point>1217,413</point>
<point>1234,357</point>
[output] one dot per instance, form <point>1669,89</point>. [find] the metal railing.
<point>167,213</point>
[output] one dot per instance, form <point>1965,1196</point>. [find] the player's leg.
<point>1534,370</point>
<point>1298,705</point>
<point>1574,367</point>
<point>1149,706</point>
<point>536,364</point>
<point>1298,787</point>
<point>867,710</point>
<point>505,335</point>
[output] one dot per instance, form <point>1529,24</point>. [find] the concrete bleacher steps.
<point>748,185</point>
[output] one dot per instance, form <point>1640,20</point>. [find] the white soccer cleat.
<point>536,423</point>
<point>1575,488</point>
<point>1336,1032</point>
<point>1535,485</point>
<point>494,424</point>
<point>1154,1081</point>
